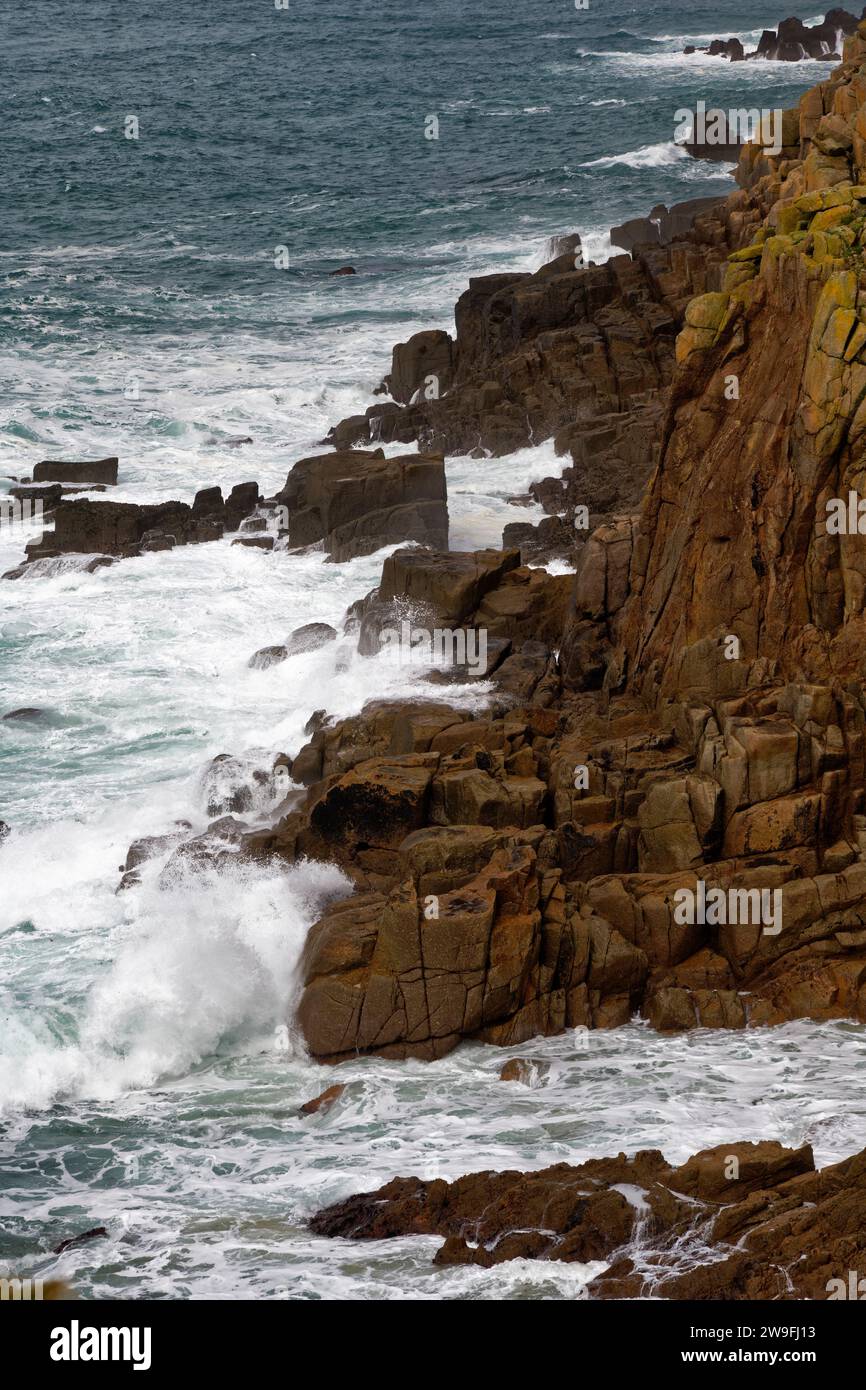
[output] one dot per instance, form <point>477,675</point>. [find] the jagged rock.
<point>690,720</point>
<point>227,786</point>
<point>428,980</point>
<point>663,223</point>
<point>420,366</point>
<point>48,494</point>
<point>150,847</point>
<point>535,353</point>
<point>792,42</point>
<point>430,589</point>
<point>791,1232</point>
<point>122,529</point>
<point>355,502</point>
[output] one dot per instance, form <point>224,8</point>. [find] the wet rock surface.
<point>793,41</point>
<point>739,1221</point>
<point>86,472</point>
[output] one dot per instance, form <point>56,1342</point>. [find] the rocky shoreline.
<point>708,682</point>
<point>736,1222</point>
<point>663,807</point>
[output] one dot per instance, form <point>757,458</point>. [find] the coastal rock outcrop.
<point>663,810</point>
<point>738,1221</point>
<point>663,224</point>
<point>126,529</point>
<point>86,472</point>
<point>792,41</point>
<point>356,501</point>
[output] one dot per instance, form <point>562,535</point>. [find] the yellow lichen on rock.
<point>705,316</point>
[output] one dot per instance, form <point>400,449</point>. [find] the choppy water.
<point>142,1083</point>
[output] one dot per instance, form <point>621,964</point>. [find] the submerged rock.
<point>94,1234</point>
<point>525,1070</point>
<point>266,657</point>
<point>49,566</point>
<point>304,639</point>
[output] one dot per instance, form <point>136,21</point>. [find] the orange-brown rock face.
<point>767,424</point>
<point>663,810</point>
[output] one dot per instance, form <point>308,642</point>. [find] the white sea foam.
<point>646,157</point>
<point>207,962</point>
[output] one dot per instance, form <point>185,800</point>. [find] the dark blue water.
<point>304,129</point>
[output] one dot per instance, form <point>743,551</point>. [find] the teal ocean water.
<point>159,295</point>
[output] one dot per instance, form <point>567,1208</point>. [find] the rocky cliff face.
<point>766,424</point>
<point>536,354</point>
<point>663,808</point>
<point>689,727</point>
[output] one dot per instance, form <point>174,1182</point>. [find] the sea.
<point>178,182</point>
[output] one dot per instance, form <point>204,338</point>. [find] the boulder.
<point>309,638</point>
<point>422,366</point>
<point>355,502</point>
